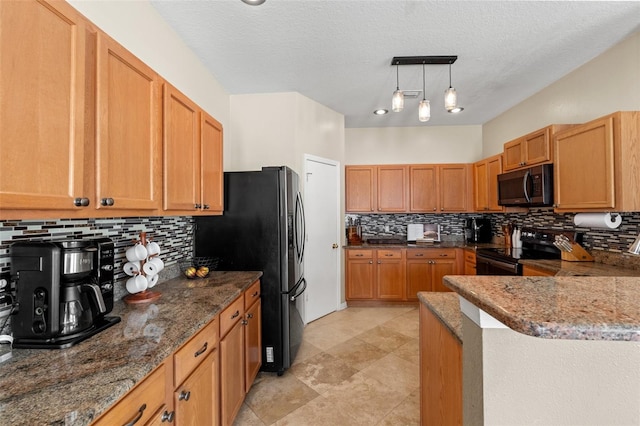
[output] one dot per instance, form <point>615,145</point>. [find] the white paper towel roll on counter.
<point>597,220</point>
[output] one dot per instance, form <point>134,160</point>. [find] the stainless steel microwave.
<point>527,187</point>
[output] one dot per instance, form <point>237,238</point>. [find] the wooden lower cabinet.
<point>531,271</point>
<point>205,381</point>
<point>440,372</point>
<point>469,262</point>
<point>196,400</point>
<point>397,275</point>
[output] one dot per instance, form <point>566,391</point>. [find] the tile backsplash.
<point>452,226</point>
<point>174,234</point>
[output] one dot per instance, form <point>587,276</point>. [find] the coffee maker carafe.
<point>63,290</point>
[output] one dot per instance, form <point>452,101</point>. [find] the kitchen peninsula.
<point>550,350</point>
<point>74,386</point>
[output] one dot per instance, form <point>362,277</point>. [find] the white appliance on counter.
<point>420,232</point>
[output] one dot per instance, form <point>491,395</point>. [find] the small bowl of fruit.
<point>198,267</point>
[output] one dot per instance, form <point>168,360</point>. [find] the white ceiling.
<point>338,53</point>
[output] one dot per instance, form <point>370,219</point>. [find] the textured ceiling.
<point>338,53</point>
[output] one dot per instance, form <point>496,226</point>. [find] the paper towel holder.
<point>635,247</point>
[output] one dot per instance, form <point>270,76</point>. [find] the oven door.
<point>488,266</point>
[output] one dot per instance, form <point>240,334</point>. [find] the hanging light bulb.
<point>424,109</point>
<point>451,97</point>
<point>397,101</point>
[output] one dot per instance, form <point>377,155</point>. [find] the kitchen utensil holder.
<point>147,295</point>
<point>577,254</point>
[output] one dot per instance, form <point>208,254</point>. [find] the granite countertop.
<point>595,269</point>
<point>442,244</point>
<point>73,386</point>
<point>577,308</point>
<point>445,306</point>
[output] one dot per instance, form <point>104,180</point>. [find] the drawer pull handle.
<point>444,255</point>
<point>255,294</point>
<point>201,351</point>
<point>359,255</point>
<point>388,254</point>
<point>168,416</point>
<point>138,416</point>
<point>184,396</point>
<point>235,315</point>
<point>419,254</point>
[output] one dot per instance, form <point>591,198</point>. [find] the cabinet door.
<point>480,185</point>
<point>418,277</point>
<point>42,82</point>
<point>360,190</point>
<point>534,272</point>
<point>392,184</point>
<point>129,161</point>
<point>454,187</point>
<point>440,268</point>
<point>390,275</point>
<point>494,168</point>
<point>360,279</point>
<point>440,373</point>
<point>181,151</point>
<point>423,188</point>
<point>193,400</point>
<point>253,343</point>
<point>538,147</point>
<point>513,154</point>
<point>212,178</point>
<point>580,154</point>
<point>232,367</point>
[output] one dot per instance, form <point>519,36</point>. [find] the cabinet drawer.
<point>360,254</point>
<point>251,295</point>
<point>431,254</point>
<point>141,403</point>
<point>187,358</point>
<point>469,256</point>
<point>231,315</point>
<point>390,254</point>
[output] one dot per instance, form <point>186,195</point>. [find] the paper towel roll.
<point>597,220</point>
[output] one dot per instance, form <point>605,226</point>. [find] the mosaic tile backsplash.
<point>452,226</point>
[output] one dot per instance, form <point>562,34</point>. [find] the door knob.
<point>334,245</point>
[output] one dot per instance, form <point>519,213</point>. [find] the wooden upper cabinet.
<point>392,188</point>
<point>597,165</point>
<point>423,188</point>
<point>128,154</point>
<point>43,76</point>
<point>485,180</point>
<point>360,193</point>
<point>181,151</point>
<point>212,173</point>
<point>454,187</point>
<point>531,149</point>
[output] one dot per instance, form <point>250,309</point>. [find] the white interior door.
<point>322,252</point>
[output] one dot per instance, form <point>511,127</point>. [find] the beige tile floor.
<point>358,366</point>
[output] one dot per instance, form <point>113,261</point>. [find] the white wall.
<point>608,83</point>
<point>406,145</point>
<point>279,128</point>
<point>139,28</point>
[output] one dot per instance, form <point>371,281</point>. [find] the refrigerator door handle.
<point>300,226</point>
<point>302,283</point>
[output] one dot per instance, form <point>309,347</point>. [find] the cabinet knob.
<point>434,209</point>
<point>168,416</point>
<point>206,207</point>
<point>379,262</point>
<point>107,202</point>
<point>81,202</point>
<point>184,396</point>
<point>371,261</point>
<point>244,322</point>
<point>249,316</point>
<point>198,206</point>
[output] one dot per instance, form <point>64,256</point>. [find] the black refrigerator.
<point>262,229</point>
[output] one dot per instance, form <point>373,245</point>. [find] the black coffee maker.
<point>64,291</point>
<point>477,230</point>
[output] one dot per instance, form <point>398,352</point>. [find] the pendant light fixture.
<point>397,101</point>
<point>424,109</point>
<point>451,97</point>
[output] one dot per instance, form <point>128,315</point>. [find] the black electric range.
<point>536,244</point>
